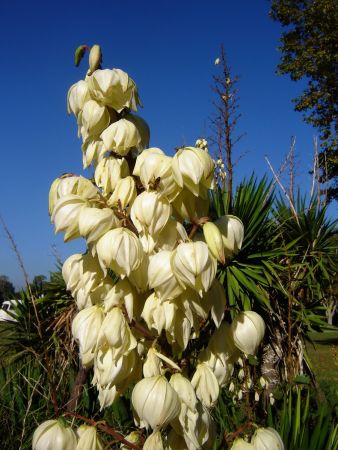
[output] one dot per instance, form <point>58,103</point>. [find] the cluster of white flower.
<point>139,217</point>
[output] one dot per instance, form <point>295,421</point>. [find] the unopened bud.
<point>95,58</point>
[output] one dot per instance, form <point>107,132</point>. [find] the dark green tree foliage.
<point>7,290</point>
<point>310,52</point>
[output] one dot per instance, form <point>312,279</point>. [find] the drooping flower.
<point>248,330</point>
<point>267,439</point>
<point>53,435</point>
<point>155,402</point>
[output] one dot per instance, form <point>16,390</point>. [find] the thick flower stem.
<point>77,389</point>
<point>105,428</point>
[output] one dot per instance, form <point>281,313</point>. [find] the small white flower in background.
<point>217,61</point>
<point>155,402</point>
<point>53,435</point>
<point>262,382</point>
<point>240,394</point>
<point>241,374</point>
<point>88,438</point>
<point>231,387</point>
<point>267,439</point>
<point>256,397</point>
<point>271,399</point>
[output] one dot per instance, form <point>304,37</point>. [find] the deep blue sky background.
<point>169,49</point>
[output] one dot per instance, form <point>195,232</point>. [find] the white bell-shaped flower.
<point>248,330</point>
<point>232,232</point>
<point>139,277</point>
<point>155,402</point>
<point>78,94</point>
<point>94,119</point>
<point>53,435</point>
<point>156,173</point>
<point>161,276</point>
<point>184,389</point>
<point>194,266</point>
<point>114,88</point>
<point>115,333</point>
<point>190,207</point>
<point>66,214</point>
<point>82,271</point>
<point>241,444</point>
<point>120,250</point>
<point>123,294</point>
<point>154,442</point>
<point>171,235</point>
<point>222,343</point>
<point>88,438</point>
<point>217,301</point>
<point>143,156</point>
<point>124,193</point>
<point>95,222</point>
<point>206,385</point>
<point>121,136</point>
<point>150,212</point>
<point>92,150</point>
<point>107,396</point>
<point>86,327</point>
<point>152,365</point>
<point>109,172</point>
<point>267,439</point>
<point>158,315</point>
<point>192,167</point>
<point>110,371</point>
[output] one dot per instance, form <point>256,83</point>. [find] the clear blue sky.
<point>169,49</point>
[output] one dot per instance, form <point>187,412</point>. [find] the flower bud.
<point>88,439</point>
<point>194,266</point>
<point>214,240</point>
<point>109,172</point>
<point>124,193</point>
<point>78,95</point>
<point>241,444</point>
<point>267,439</point>
<point>113,88</point>
<point>155,402</point>
<point>95,58</point>
<point>120,250</point>
<point>248,331</point>
<point>232,231</point>
<point>53,435</point>
<point>205,385</point>
<point>95,118</point>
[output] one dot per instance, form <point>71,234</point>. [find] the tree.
<point>7,290</point>
<point>225,121</point>
<point>309,51</point>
